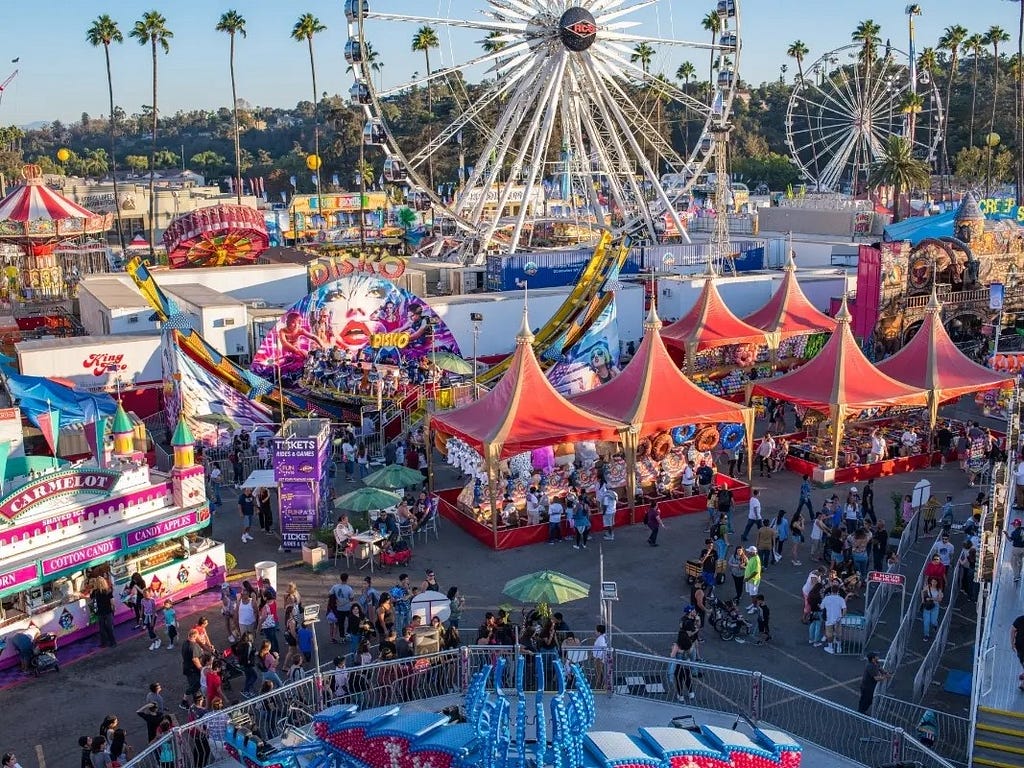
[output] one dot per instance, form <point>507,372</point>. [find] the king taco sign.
<point>66,483</point>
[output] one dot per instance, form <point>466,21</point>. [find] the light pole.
<point>996,295</point>
<point>311,615</point>
<point>991,142</point>
<point>476,318</point>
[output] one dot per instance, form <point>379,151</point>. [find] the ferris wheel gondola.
<point>563,111</point>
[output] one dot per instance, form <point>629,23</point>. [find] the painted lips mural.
<point>360,316</point>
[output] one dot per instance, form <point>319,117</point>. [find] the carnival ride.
<point>38,219</point>
<point>220,235</point>
<point>842,112</point>
<point>494,732</point>
<point>569,109</point>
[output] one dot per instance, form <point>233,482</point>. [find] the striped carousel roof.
<point>38,210</point>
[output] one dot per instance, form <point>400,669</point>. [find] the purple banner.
<point>19,576</point>
<point>83,556</point>
<point>297,458</point>
<point>162,528</point>
<point>298,513</point>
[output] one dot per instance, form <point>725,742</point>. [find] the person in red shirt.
<point>215,681</point>
<point>936,570</point>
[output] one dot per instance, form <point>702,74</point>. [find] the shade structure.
<point>522,412</point>
<point>788,313</point>
<point>367,500</point>
<point>394,476</point>
<point>38,217</point>
<point>841,381</point>
<point>932,361</point>
<point>709,324</point>
<point>449,361</point>
<point>546,587</point>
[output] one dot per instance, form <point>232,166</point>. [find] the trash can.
<point>852,635</point>
<point>267,569</point>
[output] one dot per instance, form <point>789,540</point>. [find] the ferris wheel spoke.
<point>571,111</point>
<point>845,100</point>
<point>613,66</point>
<point>622,38</point>
<point>444,73</point>
<point>833,170</point>
<point>439,21</point>
<point>609,9</point>
<point>642,126</point>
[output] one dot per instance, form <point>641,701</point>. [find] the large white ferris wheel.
<point>541,108</point>
<point>842,113</point>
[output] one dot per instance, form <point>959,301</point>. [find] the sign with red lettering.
<point>83,557</point>
<point>329,268</point>
<point>104,363</point>
<point>162,528</point>
<point>10,580</point>
<point>884,577</point>
<point>65,483</point>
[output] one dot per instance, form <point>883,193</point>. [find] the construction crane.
<point>5,83</point>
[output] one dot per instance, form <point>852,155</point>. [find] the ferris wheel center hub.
<point>577,29</point>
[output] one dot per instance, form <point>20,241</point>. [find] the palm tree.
<point>899,169</point>
<point>911,105</point>
<point>994,37</point>
<point>685,72</point>
<point>425,39</point>
<point>104,31</point>
<point>642,53</point>
<point>152,30</point>
<point>974,45</point>
<point>233,23</point>
<point>491,43</point>
<point>866,34</point>
<point>952,39</point>
<point>304,30</point>
<point>798,50</point>
<point>713,24</point>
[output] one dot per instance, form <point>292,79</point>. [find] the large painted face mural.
<point>358,317</point>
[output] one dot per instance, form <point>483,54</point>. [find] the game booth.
<point>65,528</point>
<point>641,430</point>
<point>842,398</point>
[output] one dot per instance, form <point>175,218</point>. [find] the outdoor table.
<point>366,541</point>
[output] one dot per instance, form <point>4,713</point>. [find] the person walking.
<point>581,522</point>
<point>752,576</point>
<point>931,599</point>
<point>873,675</point>
<point>555,511</point>
<point>805,496</point>
<point>1016,539</point>
<point>737,563</point>
<point>103,601</point>
<point>867,501</point>
<point>149,614</point>
<point>754,517</point>
<point>1017,643</point>
<point>654,523</point>
<point>266,512</point>
<point>246,508</point>
<point>796,536</point>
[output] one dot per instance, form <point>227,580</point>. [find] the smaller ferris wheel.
<point>842,112</point>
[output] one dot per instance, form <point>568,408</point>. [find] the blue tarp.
<point>37,395</point>
<point>919,228</point>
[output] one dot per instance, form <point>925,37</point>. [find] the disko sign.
<point>64,483</point>
<point>329,268</point>
<point>83,556</point>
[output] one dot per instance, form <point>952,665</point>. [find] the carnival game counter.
<point>508,538</point>
<point>53,599</point>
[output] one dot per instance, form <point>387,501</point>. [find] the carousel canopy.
<point>932,361</point>
<point>522,412</point>
<point>652,394</point>
<point>840,380</point>
<point>789,313</point>
<point>709,324</point>
<point>34,212</point>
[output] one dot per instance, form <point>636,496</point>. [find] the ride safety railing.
<point>952,732</point>
<point>933,657</point>
<point>443,677</point>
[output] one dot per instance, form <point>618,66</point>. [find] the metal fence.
<point>882,593</point>
<point>932,659</point>
<point>739,224</point>
<point>748,695</point>
<point>953,735</point>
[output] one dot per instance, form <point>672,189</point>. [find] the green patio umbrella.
<point>449,361</point>
<point>549,587</point>
<point>394,476</point>
<point>367,500</point>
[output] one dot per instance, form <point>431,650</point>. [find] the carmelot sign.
<point>323,270</point>
<point>61,483</point>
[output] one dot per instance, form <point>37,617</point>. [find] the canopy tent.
<point>652,395</point>
<point>522,412</point>
<point>709,324</point>
<point>933,362</point>
<point>788,313</point>
<point>37,396</point>
<point>841,382</point>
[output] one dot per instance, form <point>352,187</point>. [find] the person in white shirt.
<point>555,510</point>
<point>687,480</point>
<point>348,458</point>
<point>609,500</point>
<point>834,607</point>
<point>909,442</point>
<point>754,518</point>
<point>532,507</point>
<point>600,655</point>
<point>877,447</point>
<point>764,454</point>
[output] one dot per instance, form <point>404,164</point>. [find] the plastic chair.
<point>430,524</point>
<point>343,550</point>
<point>406,532</point>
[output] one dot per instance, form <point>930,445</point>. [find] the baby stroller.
<point>44,654</point>
<point>731,625</point>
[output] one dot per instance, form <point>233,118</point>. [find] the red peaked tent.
<point>522,412</point>
<point>932,361</point>
<point>652,395</point>
<point>789,313</point>
<point>709,324</point>
<point>840,381</point>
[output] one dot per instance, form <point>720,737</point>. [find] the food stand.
<point>64,526</point>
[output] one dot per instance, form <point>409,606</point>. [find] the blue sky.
<point>61,76</point>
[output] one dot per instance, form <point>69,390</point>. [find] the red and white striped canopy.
<point>36,212</point>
